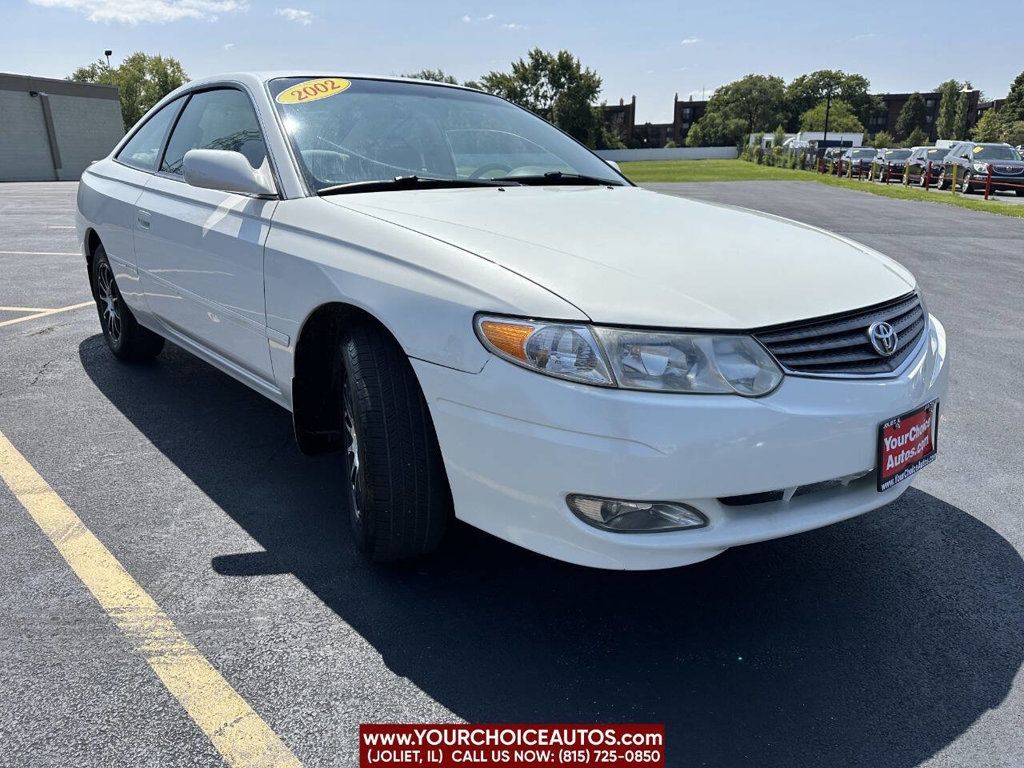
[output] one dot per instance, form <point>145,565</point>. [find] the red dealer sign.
<point>510,746</point>
<point>905,444</point>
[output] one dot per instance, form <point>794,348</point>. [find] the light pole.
<point>828,108</point>
<point>107,54</point>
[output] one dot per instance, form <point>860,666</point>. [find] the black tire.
<point>1019,192</point>
<point>400,502</point>
<point>128,340</point>
<point>965,186</point>
<point>940,181</point>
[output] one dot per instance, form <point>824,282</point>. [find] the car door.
<point>200,251</point>
<point>117,186</point>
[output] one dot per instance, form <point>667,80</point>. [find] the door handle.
<point>142,219</point>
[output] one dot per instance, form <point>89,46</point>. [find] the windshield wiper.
<point>407,182</point>
<point>552,178</point>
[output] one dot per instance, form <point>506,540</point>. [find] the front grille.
<point>839,345</point>
<point>1007,170</point>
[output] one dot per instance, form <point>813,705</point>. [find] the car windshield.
<point>357,130</point>
<point>897,154</point>
<point>937,153</point>
<point>862,153</point>
<point>996,153</point>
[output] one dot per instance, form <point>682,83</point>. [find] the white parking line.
<point>40,253</point>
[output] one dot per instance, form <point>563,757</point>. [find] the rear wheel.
<point>398,490</point>
<point>127,339</point>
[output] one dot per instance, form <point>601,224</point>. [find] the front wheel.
<point>127,339</point>
<point>965,186</point>
<point>399,500</point>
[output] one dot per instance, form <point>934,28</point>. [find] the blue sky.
<point>651,49</point>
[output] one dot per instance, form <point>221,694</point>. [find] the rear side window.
<point>221,119</point>
<point>143,149</point>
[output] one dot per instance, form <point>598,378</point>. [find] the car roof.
<point>259,77</point>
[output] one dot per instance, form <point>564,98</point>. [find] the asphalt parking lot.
<point>895,639</point>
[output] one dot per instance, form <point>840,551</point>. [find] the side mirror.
<point>227,172</point>
<point>614,165</point>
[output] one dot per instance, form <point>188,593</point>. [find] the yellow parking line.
<point>238,733</point>
<point>45,313</point>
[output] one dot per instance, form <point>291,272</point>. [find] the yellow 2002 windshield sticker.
<point>313,90</point>
<point>978,149</point>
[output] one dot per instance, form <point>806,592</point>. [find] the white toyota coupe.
<point>488,321</point>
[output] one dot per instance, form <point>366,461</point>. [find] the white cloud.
<point>477,19</point>
<point>143,11</point>
<point>865,36</point>
<point>689,41</point>
<point>515,27</point>
<point>228,46</point>
<point>297,15</point>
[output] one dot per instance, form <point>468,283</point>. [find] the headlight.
<point>981,167</point>
<point>634,359</point>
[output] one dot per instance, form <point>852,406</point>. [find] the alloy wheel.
<point>352,464</point>
<point>109,299</point>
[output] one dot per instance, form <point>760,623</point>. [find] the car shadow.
<point>875,642</point>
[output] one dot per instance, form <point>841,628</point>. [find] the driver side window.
<point>219,119</point>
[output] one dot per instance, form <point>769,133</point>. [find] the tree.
<point>883,140</point>
<point>960,120</point>
<point>141,81</point>
<point>806,91</point>
<point>555,86</point>
<point>1013,109</point>
<point>1013,132</point>
<point>716,130</point>
<point>779,137</point>
<point>911,116</point>
<point>841,118</point>
<point>435,75</point>
<point>917,138</point>
<point>757,100</point>
<point>946,125</point>
<point>989,127</point>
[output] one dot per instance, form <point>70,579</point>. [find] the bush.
<point>884,140</point>
<point>917,138</point>
<point>759,154</point>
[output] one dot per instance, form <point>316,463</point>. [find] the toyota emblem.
<point>883,338</point>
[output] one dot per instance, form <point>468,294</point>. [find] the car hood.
<point>630,256</point>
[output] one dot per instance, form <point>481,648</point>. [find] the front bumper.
<point>1006,182</point>
<point>516,443</point>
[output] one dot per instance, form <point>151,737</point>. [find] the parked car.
<point>859,159</point>
<point>890,164</point>
<point>917,166</point>
<point>944,178</point>
<point>974,161</point>
<point>484,319</point>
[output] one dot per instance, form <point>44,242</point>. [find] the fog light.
<point>635,516</point>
